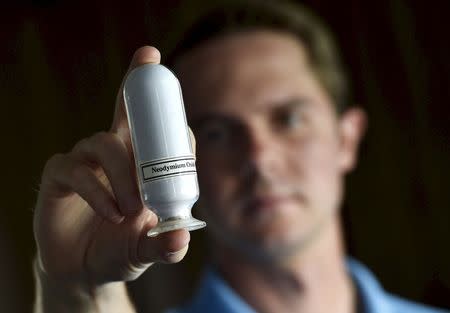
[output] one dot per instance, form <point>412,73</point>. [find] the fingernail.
<point>169,254</point>
<point>117,219</point>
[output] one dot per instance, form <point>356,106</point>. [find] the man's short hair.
<point>227,17</point>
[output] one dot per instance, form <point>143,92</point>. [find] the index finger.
<point>143,55</point>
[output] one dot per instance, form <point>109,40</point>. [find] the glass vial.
<point>164,158</point>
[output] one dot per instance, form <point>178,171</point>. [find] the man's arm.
<point>60,297</point>
<point>91,226</point>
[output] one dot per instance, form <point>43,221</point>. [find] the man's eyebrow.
<point>208,117</point>
<point>293,102</point>
<point>297,101</point>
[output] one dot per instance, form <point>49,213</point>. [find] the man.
<point>267,100</point>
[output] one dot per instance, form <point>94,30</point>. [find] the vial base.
<point>174,223</point>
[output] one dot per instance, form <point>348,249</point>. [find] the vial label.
<point>169,167</point>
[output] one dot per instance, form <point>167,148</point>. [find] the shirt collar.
<point>370,293</point>
<point>216,295</point>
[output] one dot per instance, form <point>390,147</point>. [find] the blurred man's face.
<point>270,156</point>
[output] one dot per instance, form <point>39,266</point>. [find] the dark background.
<point>61,65</point>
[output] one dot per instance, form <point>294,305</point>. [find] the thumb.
<point>170,247</point>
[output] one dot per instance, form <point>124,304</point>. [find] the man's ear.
<point>352,127</point>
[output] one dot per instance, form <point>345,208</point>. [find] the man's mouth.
<point>265,204</point>
<point>268,201</point>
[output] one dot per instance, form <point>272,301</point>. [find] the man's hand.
<point>90,224</point>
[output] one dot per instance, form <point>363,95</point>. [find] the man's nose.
<point>261,153</point>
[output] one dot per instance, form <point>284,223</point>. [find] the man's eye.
<point>291,119</point>
<point>214,133</point>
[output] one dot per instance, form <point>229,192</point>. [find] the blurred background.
<point>61,66</point>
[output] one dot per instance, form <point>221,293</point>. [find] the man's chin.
<point>274,245</point>
<point>263,249</point>
<point>277,247</point>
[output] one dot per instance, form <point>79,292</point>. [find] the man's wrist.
<point>59,296</point>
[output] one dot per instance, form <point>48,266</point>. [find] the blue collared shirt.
<point>215,295</point>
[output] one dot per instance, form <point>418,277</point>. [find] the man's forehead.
<point>242,67</point>
<point>235,50</point>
